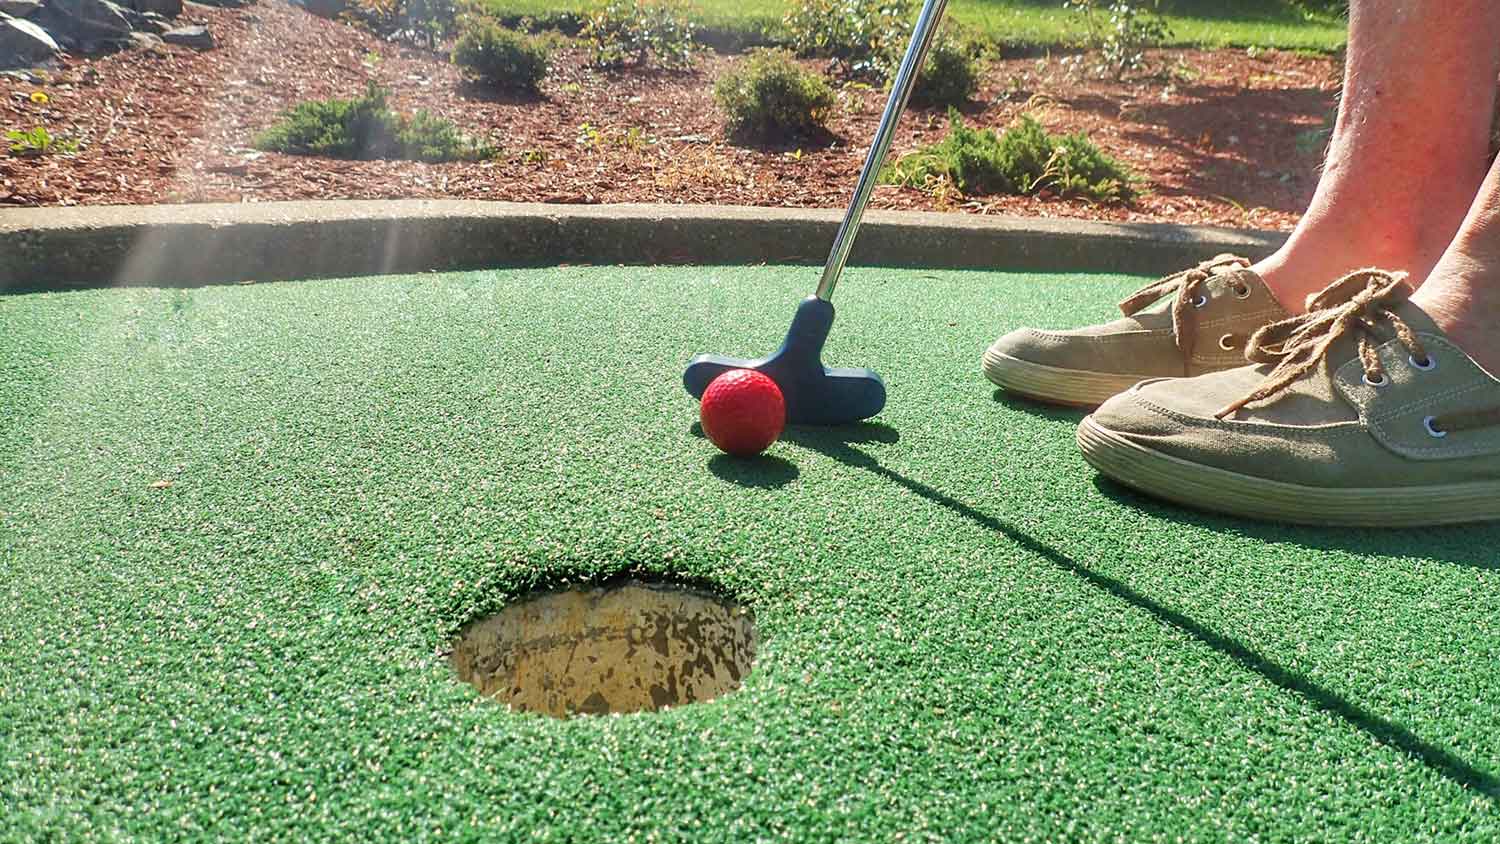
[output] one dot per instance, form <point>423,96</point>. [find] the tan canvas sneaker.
<point>1199,322</point>
<point>1362,413</point>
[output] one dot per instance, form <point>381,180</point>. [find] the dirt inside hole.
<point>629,647</point>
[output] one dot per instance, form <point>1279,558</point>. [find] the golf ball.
<point>743,412</point>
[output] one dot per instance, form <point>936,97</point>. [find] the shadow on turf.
<point>837,443</point>
<point>1463,545</point>
<point>1055,413</point>
<point>763,471</point>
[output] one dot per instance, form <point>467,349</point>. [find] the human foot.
<point>1193,322</point>
<point>1363,413</point>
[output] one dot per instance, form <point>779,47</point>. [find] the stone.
<point>325,8</point>
<point>24,44</point>
<point>83,22</point>
<point>197,37</point>
<point>165,8</point>
<point>146,40</point>
<point>20,8</point>
<point>153,23</point>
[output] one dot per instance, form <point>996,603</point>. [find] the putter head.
<point>814,393</point>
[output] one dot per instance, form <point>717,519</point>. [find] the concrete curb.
<point>192,245</point>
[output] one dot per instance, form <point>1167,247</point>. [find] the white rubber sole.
<point>1219,490</point>
<point>1075,387</point>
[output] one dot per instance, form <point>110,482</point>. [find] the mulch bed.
<point>1215,138</point>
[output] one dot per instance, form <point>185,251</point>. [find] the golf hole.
<point>628,647</point>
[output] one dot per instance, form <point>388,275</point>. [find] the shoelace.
<point>1365,299</point>
<point>1187,286</point>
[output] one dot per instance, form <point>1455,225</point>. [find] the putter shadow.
<point>763,471</point>
<point>1472,546</point>
<point>1382,730</point>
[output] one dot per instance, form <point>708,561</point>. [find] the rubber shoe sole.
<point>1208,488</point>
<point>1053,385</point>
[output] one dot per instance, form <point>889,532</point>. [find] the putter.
<point>816,394</point>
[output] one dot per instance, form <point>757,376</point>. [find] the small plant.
<point>949,77</point>
<point>769,94</point>
<point>364,128</point>
<point>1121,31</point>
<point>419,22</point>
<point>500,57</point>
<point>631,32</point>
<point>38,141</point>
<point>865,38</point>
<point>1025,159</point>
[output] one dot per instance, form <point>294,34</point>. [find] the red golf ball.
<point>743,412</point>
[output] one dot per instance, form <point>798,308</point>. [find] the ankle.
<point>1463,297</point>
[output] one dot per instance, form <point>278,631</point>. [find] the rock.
<point>82,22</point>
<point>146,40</point>
<point>196,37</point>
<point>153,23</point>
<point>165,8</point>
<point>20,8</point>
<point>325,8</point>
<point>24,44</point>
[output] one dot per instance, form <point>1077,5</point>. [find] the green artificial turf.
<point>966,636</point>
<point>1281,24</point>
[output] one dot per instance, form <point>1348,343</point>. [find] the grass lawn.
<point>240,524</point>
<point>1240,23</point>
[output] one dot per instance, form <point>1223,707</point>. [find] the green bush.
<point>364,128</point>
<point>1025,159</point>
<point>949,77</point>
<point>624,32</point>
<point>1121,32</point>
<point>500,57</point>
<point>418,22</point>
<point>865,37</point>
<point>769,94</point>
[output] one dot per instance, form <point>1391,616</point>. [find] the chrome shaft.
<point>916,52</point>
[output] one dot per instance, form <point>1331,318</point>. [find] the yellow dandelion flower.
<point>39,98</point>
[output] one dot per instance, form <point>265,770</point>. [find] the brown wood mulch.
<point>1215,137</point>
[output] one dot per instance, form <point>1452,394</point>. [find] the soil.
<point>1214,134</point>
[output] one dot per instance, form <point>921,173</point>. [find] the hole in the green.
<point>624,647</point>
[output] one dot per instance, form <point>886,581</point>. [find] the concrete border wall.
<point>191,245</point>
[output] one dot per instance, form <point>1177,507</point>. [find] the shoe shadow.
<point>1054,412</point>
<point>1473,546</point>
<point>838,444</point>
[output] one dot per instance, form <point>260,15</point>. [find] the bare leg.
<point>1462,293</point>
<point>1409,149</point>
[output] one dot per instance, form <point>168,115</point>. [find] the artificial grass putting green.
<point>240,524</point>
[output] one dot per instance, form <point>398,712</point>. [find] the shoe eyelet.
<point>1242,292</point>
<point>1432,430</point>
<point>1385,380</point>
<point>1228,343</point>
<point>1426,366</point>
<point>1200,300</point>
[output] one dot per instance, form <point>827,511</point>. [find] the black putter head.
<point>815,394</point>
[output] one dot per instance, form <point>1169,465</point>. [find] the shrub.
<point>866,38</point>
<point>770,94</point>
<point>364,128</point>
<point>949,77</point>
<point>1122,39</point>
<point>420,22</point>
<point>632,31</point>
<point>1026,159</point>
<point>500,57</point>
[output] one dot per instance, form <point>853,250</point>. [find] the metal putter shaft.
<point>815,394</point>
